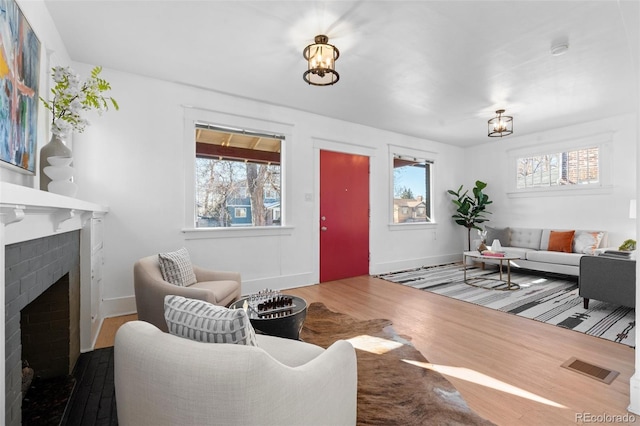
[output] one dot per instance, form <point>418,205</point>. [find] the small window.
<point>567,168</point>
<point>238,177</point>
<point>411,190</point>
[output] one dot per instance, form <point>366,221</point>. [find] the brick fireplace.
<point>42,307</point>
<point>50,251</point>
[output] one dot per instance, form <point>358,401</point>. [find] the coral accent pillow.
<point>561,241</point>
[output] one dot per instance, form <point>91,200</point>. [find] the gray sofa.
<point>531,245</point>
<point>608,279</point>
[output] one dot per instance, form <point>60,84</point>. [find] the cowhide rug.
<point>390,391</point>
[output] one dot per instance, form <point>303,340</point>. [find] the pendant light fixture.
<point>500,125</point>
<point>321,57</point>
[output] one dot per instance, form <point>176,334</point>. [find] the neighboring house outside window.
<point>409,210</point>
<point>411,190</point>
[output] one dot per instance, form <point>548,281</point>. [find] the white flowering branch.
<point>71,97</point>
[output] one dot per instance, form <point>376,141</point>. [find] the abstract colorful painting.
<point>19,76</point>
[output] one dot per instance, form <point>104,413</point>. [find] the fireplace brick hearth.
<point>32,267</point>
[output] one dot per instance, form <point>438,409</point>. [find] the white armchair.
<point>162,379</point>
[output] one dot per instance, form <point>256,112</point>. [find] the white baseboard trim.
<point>95,338</point>
<point>401,265</point>
<point>634,394</point>
<point>117,307</point>
<point>278,283</point>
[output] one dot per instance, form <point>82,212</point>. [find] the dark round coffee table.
<point>286,322</point>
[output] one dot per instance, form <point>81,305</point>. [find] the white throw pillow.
<point>586,242</point>
<point>176,267</point>
<point>205,322</point>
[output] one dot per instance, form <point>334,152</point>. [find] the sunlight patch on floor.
<point>375,345</point>
<point>533,282</point>
<point>484,380</point>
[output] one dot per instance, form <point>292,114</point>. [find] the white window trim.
<point>236,232</point>
<point>603,141</point>
<point>430,156</point>
<point>194,115</point>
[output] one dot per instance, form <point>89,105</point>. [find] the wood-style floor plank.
<point>507,368</point>
<point>108,330</point>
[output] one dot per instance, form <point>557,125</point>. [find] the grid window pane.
<point>575,167</point>
<point>411,190</point>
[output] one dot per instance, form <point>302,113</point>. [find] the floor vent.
<point>603,375</point>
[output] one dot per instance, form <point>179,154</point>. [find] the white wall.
<point>133,161</point>
<point>606,209</point>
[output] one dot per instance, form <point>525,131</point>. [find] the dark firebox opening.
<point>45,338</point>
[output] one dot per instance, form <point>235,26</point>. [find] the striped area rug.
<point>548,298</point>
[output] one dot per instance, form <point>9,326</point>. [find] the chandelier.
<point>500,125</point>
<point>321,57</point>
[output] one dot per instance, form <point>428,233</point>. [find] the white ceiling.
<point>432,69</point>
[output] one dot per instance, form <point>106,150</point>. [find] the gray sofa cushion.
<point>572,259</point>
<point>501,234</point>
<point>516,251</point>
<point>526,237</point>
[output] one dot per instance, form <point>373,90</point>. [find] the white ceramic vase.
<point>55,148</point>
<point>60,172</point>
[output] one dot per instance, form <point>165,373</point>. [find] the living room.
<point>138,162</point>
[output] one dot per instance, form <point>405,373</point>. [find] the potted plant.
<point>72,97</point>
<point>628,245</point>
<point>470,211</point>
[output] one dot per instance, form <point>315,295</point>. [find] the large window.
<point>571,167</point>
<point>411,190</point>
<point>238,177</point>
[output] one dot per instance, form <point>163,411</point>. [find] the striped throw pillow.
<point>204,322</point>
<point>176,267</point>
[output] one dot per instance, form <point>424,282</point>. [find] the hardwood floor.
<point>109,328</point>
<point>507,368</point>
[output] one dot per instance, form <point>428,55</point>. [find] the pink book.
<point>492,254</point>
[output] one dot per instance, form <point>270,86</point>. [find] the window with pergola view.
<point>238,178</point>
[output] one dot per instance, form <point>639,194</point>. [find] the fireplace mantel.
<point>27,214</point>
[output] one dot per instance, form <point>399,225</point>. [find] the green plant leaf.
<point>470,211</point>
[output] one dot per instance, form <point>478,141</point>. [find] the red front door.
<point>344,215</point>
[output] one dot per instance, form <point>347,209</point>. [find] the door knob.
<point>323,218</point>
<point>324,228</point>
